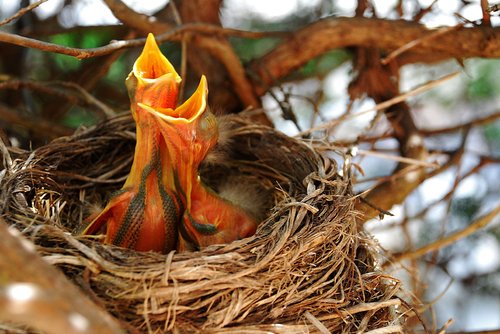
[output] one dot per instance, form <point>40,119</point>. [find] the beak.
<point>188,112</point>
<point>152,64</point>
<point>153,80</point>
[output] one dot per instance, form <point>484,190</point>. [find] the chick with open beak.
<point>163,204</point>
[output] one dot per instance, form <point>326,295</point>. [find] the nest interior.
<point>309,268</point>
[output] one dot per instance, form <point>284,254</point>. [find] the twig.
<point>40,127</point>
<point>454,157</point>
<point>477,121</point>
<point>89,98</point>
<point>387,330</point>
<point>419,41</point>
<point>449,194</point>
<point>424,132</point>
<point>16,84</point>
<point>81,96</point>
<point>388,178</point>
<point>486,13</point>
<point>423,11</point>
<point>441,243</point>
<point>373,206</point>
<point>22,11</point>
<point>405,160</point>
<point>494,8</point>
<point>318,324</point>
<point>443,329</point>
<point>223,51</point>
<point>385,104</point>
<point>183,75</point>
<point>136,20</point>
<point>363,307</point>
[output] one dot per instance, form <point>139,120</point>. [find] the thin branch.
<point>174,34</point>
<point>311,41</point>
<point>178,21</point>
<point>223,51</point>
<point>382,211</point>
<point>363,307</point>
<point>454,158</point>
<point>405,160</point>
<point>217,47</point>
<point>136,20</point>
<point>446,197</point>
<point>425,132</point>
<point>486,13</point>
<point>443,242</point>
<point>381,84</point>
<point>424,11</point>
<point>39,127</point>
<point>493,331</point>
<point>89,98</point>
<point>419,41</point>
<point>82,97</point>
<point>384,105</point>
<point>474,122</point>
<point>494,8</point>
<point>22,12</point>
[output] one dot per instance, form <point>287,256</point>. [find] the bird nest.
<point>309,268</point>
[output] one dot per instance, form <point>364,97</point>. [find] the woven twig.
<point>309,268</point>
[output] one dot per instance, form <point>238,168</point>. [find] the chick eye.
<point>208,125</point>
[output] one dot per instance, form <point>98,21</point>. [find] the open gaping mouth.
<point>152,64</point>
<point>157,87</point>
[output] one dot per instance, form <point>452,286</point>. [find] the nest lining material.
<point>309,267</point>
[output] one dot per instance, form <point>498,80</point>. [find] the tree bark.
<point>35,294</point>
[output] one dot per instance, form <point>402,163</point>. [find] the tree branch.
<point>174,34</point>
<point>381,84</point>
<point>423,131</point>
<point>136,20</point>
<point>443,242</point>
<point>216,46</point>
<point>22,11</point>
<point>39,127</point>
<point>333,33</point>
<point>37,295</point>
<point>223,51</point>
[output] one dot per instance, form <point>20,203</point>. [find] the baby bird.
<point>163,204</point>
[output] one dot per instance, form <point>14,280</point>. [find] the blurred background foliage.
<point>461,281</point>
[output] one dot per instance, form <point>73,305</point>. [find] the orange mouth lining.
<point>152,64</point>
<point>159,87</point>
<point>188,111</point>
